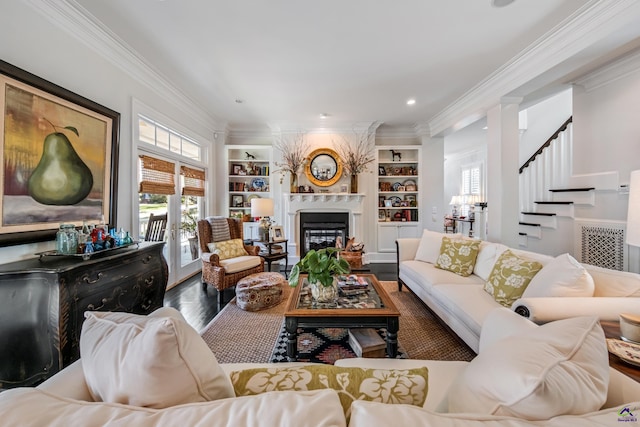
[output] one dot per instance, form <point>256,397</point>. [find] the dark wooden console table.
<point>43,300</point>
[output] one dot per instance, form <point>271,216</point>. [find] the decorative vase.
<point>324,296</point>
<point>354,184</point>
<point>293,180</point>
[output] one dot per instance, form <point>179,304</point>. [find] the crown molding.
<point>614,71</point>
<point>69,16</point>
<point>591,23</point>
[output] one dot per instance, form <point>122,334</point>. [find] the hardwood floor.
<point>199,306</point>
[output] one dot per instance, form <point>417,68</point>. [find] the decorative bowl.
<point>630,327</point>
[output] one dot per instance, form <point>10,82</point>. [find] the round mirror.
<point>323,167</point>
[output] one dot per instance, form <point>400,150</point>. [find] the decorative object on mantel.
<point>322,267</point>
<point>293,156</point>
<point>356,154</point>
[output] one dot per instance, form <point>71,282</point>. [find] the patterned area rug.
<point>237,336</point>
<point>320,345</point>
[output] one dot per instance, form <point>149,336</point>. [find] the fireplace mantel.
<point>326,197</point>
<point>295,203</point>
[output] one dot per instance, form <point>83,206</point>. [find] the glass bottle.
<point>127,239</point>
<point>67,239</point>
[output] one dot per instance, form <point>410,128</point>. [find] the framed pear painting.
<point>59,157</point>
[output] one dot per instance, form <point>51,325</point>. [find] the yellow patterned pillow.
<point>407,386</point>
<point>458,255</point>
<point>228,248</point>
<point>509,278</point>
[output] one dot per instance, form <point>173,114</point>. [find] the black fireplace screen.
<point>322,230</point>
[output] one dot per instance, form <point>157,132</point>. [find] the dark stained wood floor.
<point>199,306</point>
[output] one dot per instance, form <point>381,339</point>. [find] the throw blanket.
<point>219,228</point>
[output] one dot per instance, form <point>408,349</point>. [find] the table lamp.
<point>262,208</point>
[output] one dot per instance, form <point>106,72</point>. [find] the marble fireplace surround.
<point>295,203</point>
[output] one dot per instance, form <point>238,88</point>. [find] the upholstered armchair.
<point>223,267</point>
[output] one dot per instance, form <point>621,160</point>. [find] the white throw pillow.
<point>487,256</point>
<point>562,277</point>
<point>501,323</point>
<point>429,247</point>
<point>559,368</point>
<point>155,361</point>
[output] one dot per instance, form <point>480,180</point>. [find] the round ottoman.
<point>259,291</point>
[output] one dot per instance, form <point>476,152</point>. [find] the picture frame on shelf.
<point>380,201</point>
<point>381,215</point>
<point>382,171</point>
<point>35,110</point>
<point>236,169</point>
<point>388,203</point>
<point>411,187</point>
<point>277,233</point>
<point>237,201</point>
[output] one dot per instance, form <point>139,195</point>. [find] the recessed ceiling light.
<point>501,3</point>
<point>411,101</point>
<point>324,115</point>
<point>239,101</point>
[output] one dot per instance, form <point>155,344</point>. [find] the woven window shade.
<point>193,181</point>
<point>157,176</point>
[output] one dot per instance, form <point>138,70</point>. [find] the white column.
<point>502,172</point>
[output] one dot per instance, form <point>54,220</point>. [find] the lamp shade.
<point>261,207</point>
<point>633,214</point>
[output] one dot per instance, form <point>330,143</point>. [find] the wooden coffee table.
<point>377,312</point>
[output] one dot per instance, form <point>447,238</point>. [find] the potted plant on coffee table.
<point>322,267</point>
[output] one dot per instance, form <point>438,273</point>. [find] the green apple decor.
<point>61,177</point>
<point>322,267</point>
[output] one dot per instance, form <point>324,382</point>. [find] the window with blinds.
<point>192,181</point>
<point>471,180</point>
<point>157,176</point>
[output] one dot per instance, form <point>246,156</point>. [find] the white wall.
<point>35,44</point>
<point>543,119</point>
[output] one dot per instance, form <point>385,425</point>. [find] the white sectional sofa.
<point>463,304</point>
<point>526,375</point>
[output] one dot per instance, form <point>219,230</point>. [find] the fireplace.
<point>319,230</point>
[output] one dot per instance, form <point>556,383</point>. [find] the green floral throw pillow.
<point>509,278</point>
<point>227,248</point>
<point>407,386</point>
<point>458,255</point>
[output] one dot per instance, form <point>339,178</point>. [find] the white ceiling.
<point>289,61</point>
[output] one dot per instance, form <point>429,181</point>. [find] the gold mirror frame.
<point>308,168</point>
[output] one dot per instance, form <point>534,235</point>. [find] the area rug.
<point>320,345</point>
<point>237,336</point>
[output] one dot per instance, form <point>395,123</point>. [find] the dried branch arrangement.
<point>356,153</point>
<point>294,152</point>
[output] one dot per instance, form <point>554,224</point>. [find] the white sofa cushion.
<point>373,414</point>
<point>613,283</point>
<point>429,247</point>
<point>154,361</point>
<point>34,407</point>
<point>562,277</point>
<point>245,262</point>
<point>558,368</point>
<point>487,256</point>
<point>501,323</point>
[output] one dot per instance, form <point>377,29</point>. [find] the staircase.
<point>549,200</point>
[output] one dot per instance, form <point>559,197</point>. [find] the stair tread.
<point>553,203</point>
<point>560,190</point>
<point>529,223</point>
<point>538,213</point>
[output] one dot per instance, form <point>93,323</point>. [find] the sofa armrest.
<point>69,383</point>
<point>547,309</point>
<point>210,258</point>
<point>407,248</point>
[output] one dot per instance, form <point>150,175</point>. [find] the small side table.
<point>270,257</point>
